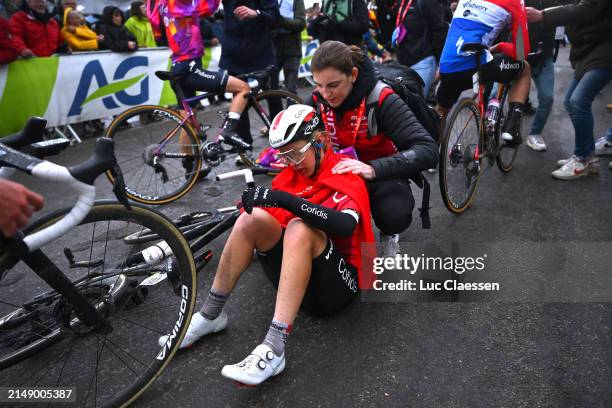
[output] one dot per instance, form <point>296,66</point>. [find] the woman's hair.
<point>135,9</point>
<point>74,12</point>
<point>334,54</point>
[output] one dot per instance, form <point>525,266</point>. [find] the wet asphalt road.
<point>422,354</point>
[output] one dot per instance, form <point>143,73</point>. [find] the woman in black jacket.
<point>589,28</point>
<point>116,37</point>
<point>426,29</point>
<point>389,151</point>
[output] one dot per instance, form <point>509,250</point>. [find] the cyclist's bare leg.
<point>240,90</point>
<point>260,231</point>
<point>520,86</point>
<point>186,146</point>
<point>301,245</point>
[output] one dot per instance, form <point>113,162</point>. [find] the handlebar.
<point>79,178</point>
<point>32,132</point>
<point>246,173</point>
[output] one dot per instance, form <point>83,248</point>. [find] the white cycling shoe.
<point>198,328</point>
<point>256,368</point>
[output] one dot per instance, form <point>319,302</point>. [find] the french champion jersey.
<point>482,21</point>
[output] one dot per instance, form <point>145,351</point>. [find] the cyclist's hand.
<point>361,169</point>
<point>259,196</point>
<point>17,204</point>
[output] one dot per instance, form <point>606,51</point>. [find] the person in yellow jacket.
<point>139,25</point>
<point>78,36</point>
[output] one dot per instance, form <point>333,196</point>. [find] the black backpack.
<point>408,85</point>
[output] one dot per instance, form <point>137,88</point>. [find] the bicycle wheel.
<point>459,167</point>
<point>141,301</point>
<point>271,102</point>
<point>505,154</point>
<point>159,157</point>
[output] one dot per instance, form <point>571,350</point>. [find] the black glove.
<point>263,197</point>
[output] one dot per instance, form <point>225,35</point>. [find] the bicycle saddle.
<point>474,48</point>
<point>261,76</point>
<point>170,76</point>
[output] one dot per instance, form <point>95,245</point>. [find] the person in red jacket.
<point>8,49</point>
<point>35,31</point>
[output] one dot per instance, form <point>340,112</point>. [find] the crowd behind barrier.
<point>69,89</point>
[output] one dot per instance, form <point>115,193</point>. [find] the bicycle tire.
<point>259,123</point>
<point>505,154</point>
<point>135,146</point>
<point>448,159</point>
<point>122,387</point>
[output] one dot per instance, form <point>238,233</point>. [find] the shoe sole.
<point>574,177</point>
<point>536,147</point>
<point>593,168</point>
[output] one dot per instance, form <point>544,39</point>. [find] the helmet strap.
<point>317,152</point>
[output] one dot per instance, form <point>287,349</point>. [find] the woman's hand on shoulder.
<point>357,167</point>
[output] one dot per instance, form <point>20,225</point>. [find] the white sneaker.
<point>573,169</point>
<point>594,161</point>
<point>198,328</point>
<point>256,368</point>
<point>602,146</point>
<point>536,142</point>
<point>389,245</point>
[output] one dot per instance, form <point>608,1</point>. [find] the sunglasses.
<point>292,156</point>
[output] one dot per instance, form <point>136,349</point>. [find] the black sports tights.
<point>391,203</point>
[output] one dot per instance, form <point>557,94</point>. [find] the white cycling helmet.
<point>294,123</point>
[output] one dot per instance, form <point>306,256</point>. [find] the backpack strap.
<point>373,102</point>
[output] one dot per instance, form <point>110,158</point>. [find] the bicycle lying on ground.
<point>161,161</point>
<point>469,138</point>
<point>94,332</point>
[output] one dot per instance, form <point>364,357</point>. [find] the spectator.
<point>59,12</point>
<point>288,43</point>
<point>138,24</point>
<point>590,33</point>
<point>78,36</point>
<point>426,29</point>
<point>385,15</point>
<point>35,32</point>
<point>542,39</point>
<point>8,49</point>
<point>208,34</point>
<point>248,44</point>
<point>116,37</point>
<point>341,20</point>
<point>9,7</point>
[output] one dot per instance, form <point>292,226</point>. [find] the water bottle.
<point>492,114</point>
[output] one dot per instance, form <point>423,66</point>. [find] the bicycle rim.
<point>159,158</point>
<point>459,167</point>
<point>505,154</point>
<point>107,369</point>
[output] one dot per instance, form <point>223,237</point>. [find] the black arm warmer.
<point>333,222</point>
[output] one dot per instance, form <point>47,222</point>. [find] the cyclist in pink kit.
<point>181,21</point>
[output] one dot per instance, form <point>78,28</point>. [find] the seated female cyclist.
<point>389,151</point>
<point>181,20</point>
<point>307,231</point>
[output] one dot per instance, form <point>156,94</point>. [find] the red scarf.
<point>317,190</point>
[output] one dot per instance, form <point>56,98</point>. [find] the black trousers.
<point>391,203</point>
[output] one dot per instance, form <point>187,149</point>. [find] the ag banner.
<point>85,86</point>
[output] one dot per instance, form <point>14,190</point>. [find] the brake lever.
<point>119,187</point>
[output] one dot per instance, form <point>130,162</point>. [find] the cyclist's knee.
<point>237,86</point>
<point>301,235</point>
<point>252,224</point>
